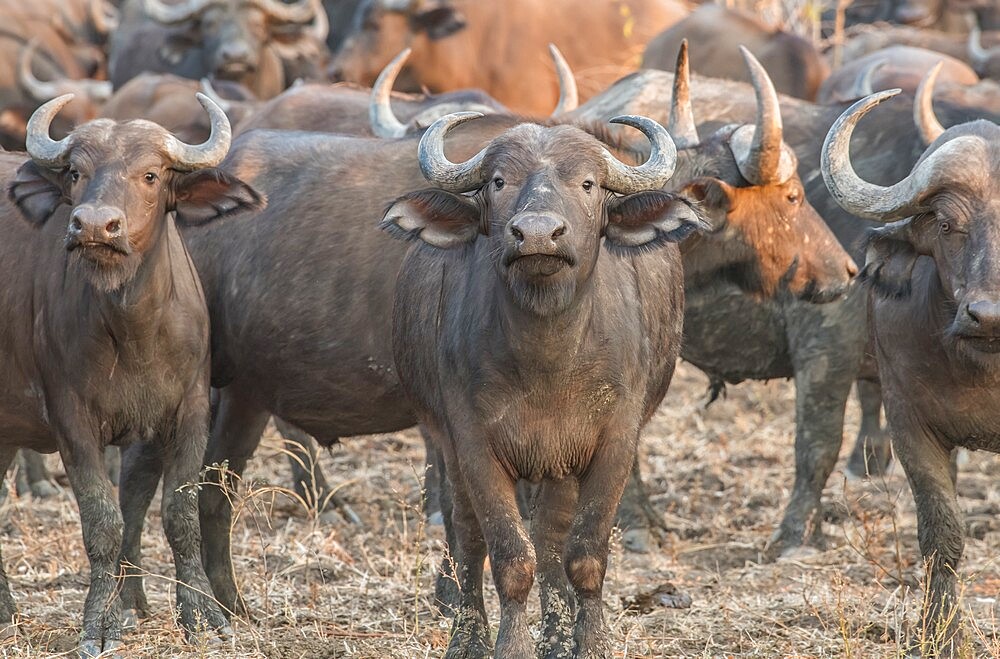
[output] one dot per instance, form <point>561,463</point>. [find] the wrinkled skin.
<point>229,41</point>
<point>117,351</point>
<point>446,35</point>
<point>823,346</point>
<point>537,306</point>
<point>715,34</point>
<point>936,323</point>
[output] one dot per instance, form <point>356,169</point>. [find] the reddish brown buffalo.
<point>716,34</point>
<point>449,42</point>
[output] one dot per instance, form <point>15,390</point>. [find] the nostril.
<point>113,228</point>
<point>972,313</point>
<point>75,225</point>
<point>517,234</point>
<point>852,269</point>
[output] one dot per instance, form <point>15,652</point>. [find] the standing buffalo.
<point>932,268</point>
<point>551,335</point>
<point>716,34</point>
<point>116,347</point>
<point>262,44</point>
<point>448,38</point>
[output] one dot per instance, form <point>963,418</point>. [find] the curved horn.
<point>454,177</point>
<point>320,29</point>
<point>41,147</point>
<point>187,157</point>
<point>301,11</point>
<point>759,152</point>
<point>868,200</point>
<point>104,17</point>
<point>569,98</point>
<point>171,14</point>
<point>96,90</point>
<point>979,55</point>
<point>383,120</point>
<point>864,81</point>
<point>923,107</point>
<point>208,90</point>
<point>651,175</point>
<point>681,124</point>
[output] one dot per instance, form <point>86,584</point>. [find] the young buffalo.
<point>936,322</point>
<point>106,333</point>
<point>535,329</point>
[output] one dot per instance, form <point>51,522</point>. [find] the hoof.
<point>130,620</point>
<point>797,553</point>
<point>637,541</point>
<point>44,490</point>
<point>91,648</point>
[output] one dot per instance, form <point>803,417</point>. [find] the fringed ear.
<point>438,218</point>
<point>205,195</point>
<point>651,219</point>
<point>889,259</point>
<point>37,192</point>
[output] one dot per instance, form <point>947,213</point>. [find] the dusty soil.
<point>719,478</point>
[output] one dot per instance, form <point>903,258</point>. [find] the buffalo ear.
<point>890,255</point>
<point>438,218</point>
<point>208,194</point>
<point>715,199</point>
<point>36,191</point>
<point>439,22</point>
<point>647,220</point>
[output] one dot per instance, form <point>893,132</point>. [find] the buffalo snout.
<point>235,58</point>
<point>979,318</point>
<point>537,234</point>
<point>97,226</point>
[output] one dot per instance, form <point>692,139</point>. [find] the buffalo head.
<point>765,235</point>
<point>947,209</point>
<point>542,199</point>
<point>120,180</point>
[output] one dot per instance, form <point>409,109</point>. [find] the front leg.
<point>940,529</point>
<point>83,457</point>
<point>8,610</point>
<point>549,530</point>
<point>182,459</point>
<point>872,451</point>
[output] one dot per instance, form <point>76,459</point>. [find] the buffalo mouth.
<point>539,265</point>
<point>98,251</point>
<point>989,344</point>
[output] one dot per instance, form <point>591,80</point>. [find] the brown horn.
<point>454,177</point>
<point>569,97</point>
<point>302,11</point>
<point>320,29</point>
<point>383,120</point>
<point>923,107</point>
<point>104,17</point>
<point>172,14</point>
<point>868,200</point>
<point>41,147</point>
<point>681,125</point>
<point>760,154</point>
<point>96,90</point>
<point>651,175</point>
<point>187,157</point>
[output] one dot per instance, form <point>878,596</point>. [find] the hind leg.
<point>873,450</point>
<point>140,476</point>
<point>8,610</point>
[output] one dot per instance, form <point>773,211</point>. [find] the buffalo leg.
<point>102,537</point>
<point>182,460</point>
<point>113,463</point>
<point>470,630</point>
<point>434,479</point>
<point>636,515</point>
<point>307,476</point>
<point>34,476</point>
<point>940,530</point>
<point>236,432</point>
<point>586,552</point>
<point>820,398</point>
<point>549,529</point>
<point>8,610</point>
<point>140,476</point>
<point>446,593</point>
<point>872,450</point>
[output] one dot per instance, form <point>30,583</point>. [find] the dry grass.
<point>718,476</point>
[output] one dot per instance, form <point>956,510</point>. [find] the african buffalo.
<point>447,40</point>
<point>936,324</point>
<point>716,33</point>
<point>985,59</point>
<point>897,66</point>
<point>116,350</point>
<point>262,44</point>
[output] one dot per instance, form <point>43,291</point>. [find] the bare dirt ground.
<point>719,477</point>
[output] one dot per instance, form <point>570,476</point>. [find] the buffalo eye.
<point>498,183</point>
<point>150,177</point>
<point>794,197</point>
<point>588,186</point>
<point>74,175</point>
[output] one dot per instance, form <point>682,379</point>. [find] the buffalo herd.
<point>360,216</point>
